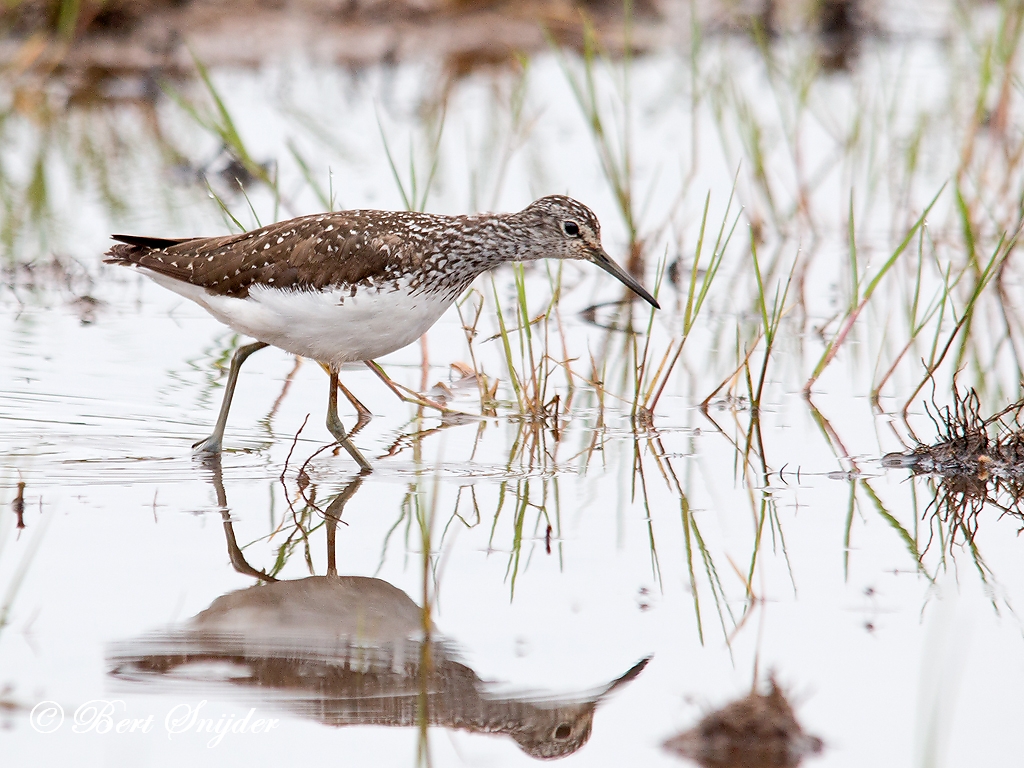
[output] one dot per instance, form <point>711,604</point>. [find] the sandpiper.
<point>355,285</point>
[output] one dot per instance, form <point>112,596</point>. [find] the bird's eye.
<point>563,731</point>
<point>571,228</point>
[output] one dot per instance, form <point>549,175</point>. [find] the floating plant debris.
<point>18,506</point>
<point>978,461</point>
<point>758,731</point>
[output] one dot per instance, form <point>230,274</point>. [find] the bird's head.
<point>567,229</point>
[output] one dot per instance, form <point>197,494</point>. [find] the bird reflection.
<point>347,650</point>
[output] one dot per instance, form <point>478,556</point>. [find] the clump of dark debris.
<point>976,460</point>
<point>758,731</point>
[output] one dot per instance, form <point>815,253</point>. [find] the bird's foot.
<point>209,446</point>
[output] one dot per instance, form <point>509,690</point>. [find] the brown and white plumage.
<point>356,285</point>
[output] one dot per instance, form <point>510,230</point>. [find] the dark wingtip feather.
<point>150,242</point>
<point>133,247</point>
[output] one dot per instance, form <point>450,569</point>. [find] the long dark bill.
<point>604,261</point>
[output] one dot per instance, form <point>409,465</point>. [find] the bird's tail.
<point>131,248</point>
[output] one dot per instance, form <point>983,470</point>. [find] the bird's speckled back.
<point>368,248</point>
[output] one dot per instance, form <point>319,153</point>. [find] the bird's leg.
<point>211,461</point>
<point>364,413</point>
<point>424,363</point>
<point>213,442</point>
<point>412,397</point>
<point>337,428</point>
<point>331,516</point>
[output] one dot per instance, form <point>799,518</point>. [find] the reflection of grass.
<point>18,572</point>
<point>212,365</point>
<point>696,547</point>
<point>542,505</point>
<point>835,444</point>
<point>530,490</point>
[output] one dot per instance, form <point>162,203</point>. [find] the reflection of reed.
<point>348,650</point>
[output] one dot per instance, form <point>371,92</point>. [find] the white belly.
<point>328,326</point>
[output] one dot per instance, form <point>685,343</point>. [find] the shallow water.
<point>721,546</point>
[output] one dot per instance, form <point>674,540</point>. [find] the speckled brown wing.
<point>311,252</point>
